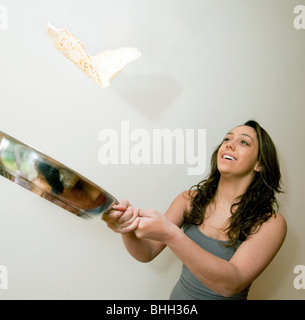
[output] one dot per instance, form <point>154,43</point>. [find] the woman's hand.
<point>122,218</point>
<point>153,225</point>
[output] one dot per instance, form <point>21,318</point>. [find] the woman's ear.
<point>257,167</point>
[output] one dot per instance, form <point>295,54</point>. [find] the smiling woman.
<point>231,228</point>
<point>255,168</point>
<point>236,146</point>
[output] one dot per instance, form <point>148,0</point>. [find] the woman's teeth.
<point>228,157</point>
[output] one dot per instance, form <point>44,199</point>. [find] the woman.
<point>231,229</point>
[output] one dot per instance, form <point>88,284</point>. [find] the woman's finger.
<point>127,217</point>
<point>112,217</point>
<point>124,203</point>
<point>133,226</point>
<point>119,207</point>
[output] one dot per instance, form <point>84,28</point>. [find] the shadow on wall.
<point>149,93</point>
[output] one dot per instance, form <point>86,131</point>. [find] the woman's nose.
<point>230,145</point>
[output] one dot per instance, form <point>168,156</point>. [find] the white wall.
<point>205,64</point>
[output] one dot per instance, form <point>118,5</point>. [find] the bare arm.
<point>224,277</point>
<point>142,249</point>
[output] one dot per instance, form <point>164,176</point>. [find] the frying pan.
<point>53,181</point>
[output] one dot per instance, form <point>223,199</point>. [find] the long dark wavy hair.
<point>251,209</point>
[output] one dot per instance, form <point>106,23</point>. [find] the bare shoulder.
<point>275,225</point>
<point>187,197</point>
<point>183,199</point>
<point>178,206</point>
<point>279,220</point>
<point>271,233</point>
<point>255,253</point>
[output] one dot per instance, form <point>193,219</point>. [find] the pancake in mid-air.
<point>102,67</point>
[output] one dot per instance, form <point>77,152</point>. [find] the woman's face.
<point>238,153</point>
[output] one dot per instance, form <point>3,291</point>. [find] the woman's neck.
<point>229,190</point>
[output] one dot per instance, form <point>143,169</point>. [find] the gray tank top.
<point>188,287</point>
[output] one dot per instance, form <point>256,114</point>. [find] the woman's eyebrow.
<point>242,134</point>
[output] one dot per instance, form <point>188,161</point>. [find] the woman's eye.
<point>226,139</point>
<point>244,142</point>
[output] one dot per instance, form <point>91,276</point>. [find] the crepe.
<point>102,67</point>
